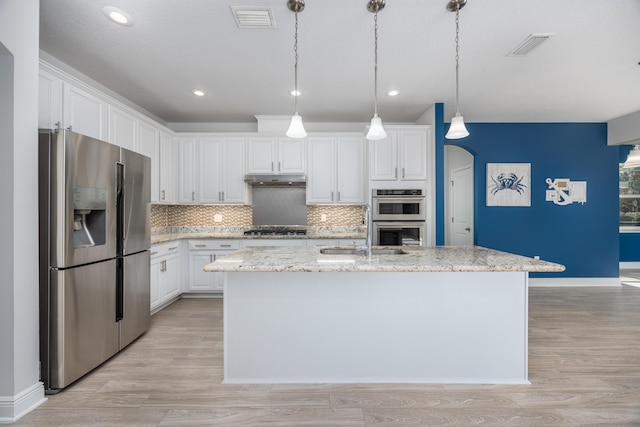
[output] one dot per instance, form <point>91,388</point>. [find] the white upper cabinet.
<point>268,155</point>
<point>188,171</point>
<point>221,170</point>
<point>148,143</point>
<point>168,162</point>
<point>401,156</point>
<point>336,169</point>
<point>49,101</point>
<point>122,128</point>
<point>84,112</point>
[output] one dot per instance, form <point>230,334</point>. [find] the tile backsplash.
<point>240,215</point>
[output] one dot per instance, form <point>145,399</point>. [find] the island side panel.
<point>375,327</point>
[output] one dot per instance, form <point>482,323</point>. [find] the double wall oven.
<point>399,217</point>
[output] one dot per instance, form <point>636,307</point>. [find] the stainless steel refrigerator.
<point>94,208</point>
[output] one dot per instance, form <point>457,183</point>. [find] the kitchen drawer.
<point>214,244</point>
<point>164,249</point>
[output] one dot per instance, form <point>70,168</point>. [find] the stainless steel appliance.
<point>94,206</point>
<point>399,217</point>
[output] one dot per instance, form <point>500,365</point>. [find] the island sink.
<point>355,251</point>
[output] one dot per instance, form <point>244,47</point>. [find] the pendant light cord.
<point>457,52</point>
<point>375,61</point>
<point>295,79</point>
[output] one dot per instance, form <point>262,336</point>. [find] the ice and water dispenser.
<point>89,216</point>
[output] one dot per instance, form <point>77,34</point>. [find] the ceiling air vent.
<point>530,43</point>
<point>253,17</point>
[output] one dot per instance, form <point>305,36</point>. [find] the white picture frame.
<point>508,184</point>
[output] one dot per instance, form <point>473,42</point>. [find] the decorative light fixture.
<point>633,160</point>
<point>376,131</point>
<point>296,128</point>
<point>198,92</point>
<point>457,129</point>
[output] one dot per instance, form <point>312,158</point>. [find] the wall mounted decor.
<point>508,184</point>
<point>563,191</point>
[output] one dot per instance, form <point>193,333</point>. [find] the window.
<point>629,197</point>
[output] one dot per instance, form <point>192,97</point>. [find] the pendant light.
<point>457,129</point>
<point>376,131</point>
<point>296,128</point>
<point>633,160</point>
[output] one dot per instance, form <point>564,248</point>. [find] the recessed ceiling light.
<point>393,92</point>
<point>197,92</point>
<point>295,93</point>
<point>118,16</point>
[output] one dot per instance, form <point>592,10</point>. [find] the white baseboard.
<point>629,265</point>
<point>12,408</point>
<point>202,295</point>
<point>574,281</point>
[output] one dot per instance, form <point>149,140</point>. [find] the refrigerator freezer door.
<point>136,300</point>
<point>77,198</point>
<point>83,331</point>
<point>136,202</point>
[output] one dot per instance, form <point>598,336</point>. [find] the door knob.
<point>467,229</point>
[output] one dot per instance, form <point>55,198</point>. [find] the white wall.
<point>624,130</point>
<point>20,389</point>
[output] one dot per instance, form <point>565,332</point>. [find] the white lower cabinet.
<point>165,274</point>
<point>201,253</point>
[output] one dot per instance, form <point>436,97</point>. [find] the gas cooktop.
<point>276,232</point>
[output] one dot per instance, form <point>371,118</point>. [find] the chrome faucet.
<point>366,211</point>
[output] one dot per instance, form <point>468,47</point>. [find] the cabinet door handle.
<point>225,246</point>
<point>338,196</point>
<point>162,195</point>
<point>200,246</point>
<point>154,253</point>
<point>395,173</point>
<point>222,196</point>
<point>403,173</point>
<point>193,196</point>
<point>219,196</point>
<point>210,258</point>
<point>271,166</point>
<point>214,257</point>
<point>173,248</point>
<point>163,266</point>
<point>332,196</point>
<point>278,166</point>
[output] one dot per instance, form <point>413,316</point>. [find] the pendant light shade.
<point>376,131</point>
<point>457,129</point>
<point>633,160</point>
<point>296,128</point>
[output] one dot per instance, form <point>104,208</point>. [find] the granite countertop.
<point>416,259</point>
<point>167,234</point>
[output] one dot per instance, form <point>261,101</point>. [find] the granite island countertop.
<point>416,259</point>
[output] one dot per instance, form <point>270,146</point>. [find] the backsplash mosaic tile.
<point>239,215</point>
<point>336,215</point>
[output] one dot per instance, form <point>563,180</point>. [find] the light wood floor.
<point>584,366</point>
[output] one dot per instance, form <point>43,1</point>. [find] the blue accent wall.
<point>439,148</point>
<point>629,242</point>
<point>585,238</point>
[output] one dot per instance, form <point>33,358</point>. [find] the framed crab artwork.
<point>508,184</point>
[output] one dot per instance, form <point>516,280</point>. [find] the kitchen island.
<point>426,315</point>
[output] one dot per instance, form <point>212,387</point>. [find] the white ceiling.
<point>588,71</point>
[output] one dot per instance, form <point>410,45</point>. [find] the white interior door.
<point>462,206</point>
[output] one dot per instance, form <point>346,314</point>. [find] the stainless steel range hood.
<point>267,180</point>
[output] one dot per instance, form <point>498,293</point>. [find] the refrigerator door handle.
<point>120,226</point>
<point>119,289</point>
